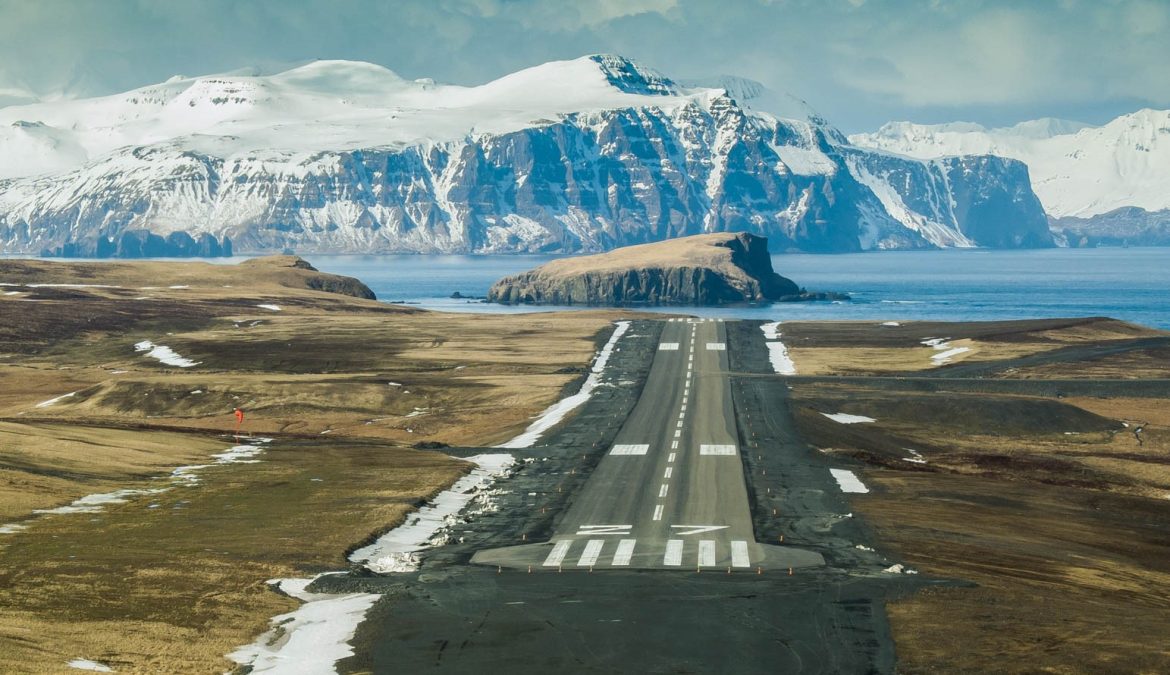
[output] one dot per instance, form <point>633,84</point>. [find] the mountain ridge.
<point>568,156</point>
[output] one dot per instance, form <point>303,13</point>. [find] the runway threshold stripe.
<point>674,551</point>
<point>591,553</point>
<point>739,554</point>
<point>707,553</point>
<point>557,555</point>
<point>625,551</point>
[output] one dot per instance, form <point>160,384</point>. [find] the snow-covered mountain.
<point>578,155</point>
<point>1077,170</point>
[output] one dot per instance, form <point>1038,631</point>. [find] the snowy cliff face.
<point>581,155</point>
<point>1077,170</point>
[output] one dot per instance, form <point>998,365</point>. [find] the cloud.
<point>858,62</point>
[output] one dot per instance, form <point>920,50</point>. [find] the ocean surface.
<point>1132,284</point>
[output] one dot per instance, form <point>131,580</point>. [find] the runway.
<point>670,491</point>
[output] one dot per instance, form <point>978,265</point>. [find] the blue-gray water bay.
<point>1132,284</point>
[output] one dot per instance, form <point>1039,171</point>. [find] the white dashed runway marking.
<point>724,450</point>
<point>625,551</point>
<point>717,346</point>
<point>707,553</point>
<point>558,553</point>
<point>739,554</point>
<point>639,449</point>
<point>668,347</point>
<point>591,553</point>
<point>674,551</point>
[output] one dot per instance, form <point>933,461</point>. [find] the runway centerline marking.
<point>674,551</point>
<point>669,471</point>
<point>658,512</point>
<point>724,450</point>
<point>663,490</point>
<point>591,553</point>
<point>593,530</point>
<point>697,529</point>
<point>677,433</point>
<point>670,457</point>
<point>673,446</point>
<point>739,554</point>
<point>707,553</point>
<point>635,449</point>
<point>625,551</point>
<point>557,554</point>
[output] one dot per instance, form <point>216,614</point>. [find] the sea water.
<point>1132,284</point>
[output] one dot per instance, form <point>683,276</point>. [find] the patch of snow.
<point>899,568</point>
<point>943,346</point>
<point>275,308</point>
<point>238,454</point>
<point>52,401</point>
<point>395,551</point>
<point>393,384</point>
<point>846,418</point>
<point>943,358</point>
<point>915,457</point>
<point>778,356</point>
<point>164,354</point>
<point>69,286</point>
<point>891,323</point>
<point>863,547</point>
<point>12,528</point>
<point>848,481</point>
<point>96,503</point>
<point>177,287</point>
<point>313,637</point>
<point>557,411</point>
<point>781,362</point>
<point>86,664</point>
<point>309,639</point>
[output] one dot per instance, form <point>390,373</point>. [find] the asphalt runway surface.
<point>670,492</point>
<point>772,573</point>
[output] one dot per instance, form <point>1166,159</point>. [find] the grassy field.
<point>1056,509</point>
<point>172,581</point>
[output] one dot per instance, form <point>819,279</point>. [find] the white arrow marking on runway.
<point>697,529</point>
<point>586,530</point>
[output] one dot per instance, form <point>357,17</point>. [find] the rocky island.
<point>706,269</point>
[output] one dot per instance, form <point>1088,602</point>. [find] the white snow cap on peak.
<point>1076,169</point>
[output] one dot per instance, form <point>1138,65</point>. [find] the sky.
<point>860,63</point>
